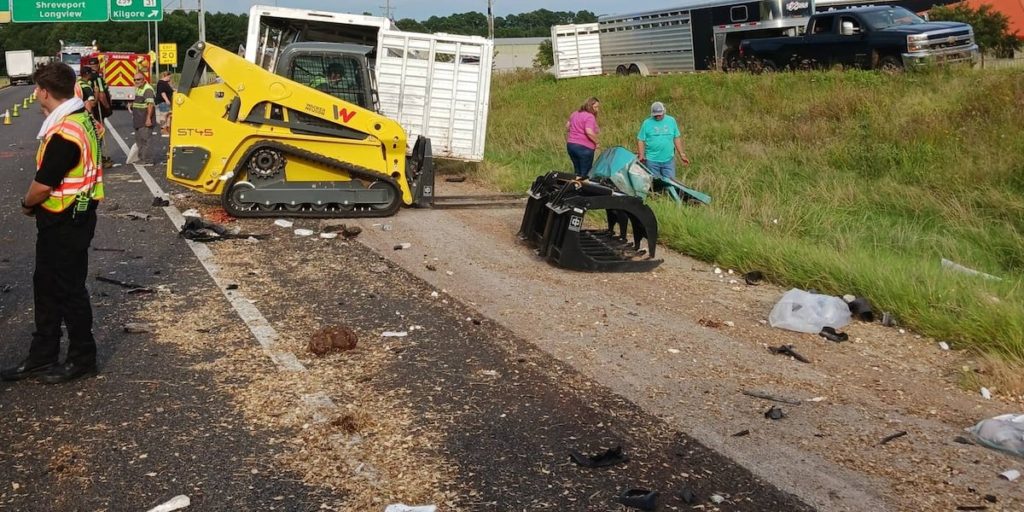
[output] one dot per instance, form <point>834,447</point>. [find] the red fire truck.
<point>118,69</point>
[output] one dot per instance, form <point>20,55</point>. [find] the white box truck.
<point>20,66</point>
<point>435,85</point>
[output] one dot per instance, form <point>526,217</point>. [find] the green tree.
<point>991,27</point>
<point>545,55</point>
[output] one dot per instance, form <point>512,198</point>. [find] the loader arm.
<point>266,143</point>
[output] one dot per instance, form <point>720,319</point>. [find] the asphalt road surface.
<point>155,424</point>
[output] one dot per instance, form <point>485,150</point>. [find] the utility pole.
<point>490,19</point>
<point>156,39</point>
<point>387,9</point>
<point>202,23</point>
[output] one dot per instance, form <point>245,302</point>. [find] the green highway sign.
<point>28,11</point>
<point>136,10</point>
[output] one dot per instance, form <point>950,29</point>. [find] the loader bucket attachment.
<point>554,223</point>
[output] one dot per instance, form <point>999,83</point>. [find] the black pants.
<point>62,264</point>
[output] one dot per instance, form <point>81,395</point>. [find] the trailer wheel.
<point>890,64</point>
<point>634,69</point>
<point>621,70</point>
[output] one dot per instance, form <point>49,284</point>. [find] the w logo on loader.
<point>343,114</point>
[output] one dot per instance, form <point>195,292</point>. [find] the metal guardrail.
<point>991,63</point>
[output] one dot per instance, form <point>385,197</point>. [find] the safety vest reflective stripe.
<point>87,176</point>
<point>139,93</point>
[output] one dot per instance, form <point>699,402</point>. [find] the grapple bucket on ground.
<point>554,223</point>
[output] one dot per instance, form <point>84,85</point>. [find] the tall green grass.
<point>847,182</point>
<point>4,81</point>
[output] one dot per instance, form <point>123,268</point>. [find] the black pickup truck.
<point>879,37</point>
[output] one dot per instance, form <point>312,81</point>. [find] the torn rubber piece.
<point>829,333</point>
<point>641,499</point>
<point>609,457</point>
<point>753,277</point>
<point>686,495</point>
<point>788,350</point>
<point>861,309</point>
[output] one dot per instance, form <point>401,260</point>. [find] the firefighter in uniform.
<point>63,197</point>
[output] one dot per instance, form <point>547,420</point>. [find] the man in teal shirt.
<point>659,139</point>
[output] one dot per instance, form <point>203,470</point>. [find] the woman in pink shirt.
<point>581,136</point>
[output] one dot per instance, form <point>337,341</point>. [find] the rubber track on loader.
<point>355,171</point>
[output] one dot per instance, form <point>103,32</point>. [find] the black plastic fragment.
<point>609,457</point>
<point>641,499</point>
<point>829,333</point>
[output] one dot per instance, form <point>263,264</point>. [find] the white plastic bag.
<point>808,312</point>
<point>1004,433</point>
<point>641,181</point>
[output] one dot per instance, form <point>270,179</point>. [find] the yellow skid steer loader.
<point>271,146</point>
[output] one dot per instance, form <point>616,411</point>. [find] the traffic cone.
<point>24,103</point>
<point>33,96</point>
<point>16,114</point>
<point>7,117</point>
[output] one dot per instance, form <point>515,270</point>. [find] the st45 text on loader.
<point>271,146</point>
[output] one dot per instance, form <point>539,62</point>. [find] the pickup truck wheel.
<point>634,69</point>
<point>890,64</point>
<point>621,70</point>
<point>769,66</point>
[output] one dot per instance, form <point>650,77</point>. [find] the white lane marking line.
<point>265,333</point>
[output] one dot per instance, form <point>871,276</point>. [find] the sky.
<point>421,9</point>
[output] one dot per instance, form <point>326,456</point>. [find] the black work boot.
<point>69,371</point>
<point>25,370</point>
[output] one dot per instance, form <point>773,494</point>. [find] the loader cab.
<point>339,69</point>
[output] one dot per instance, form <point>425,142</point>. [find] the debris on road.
<point>282,223</point>
<point>334,338</point>
<point>161,202</point>
<point>455,179</point>
<point>403,245</point>
<point>328,236</point>
<point>892,437</point>
<point>807,312</point>
<point>887,319</point>
<point>402,507</point>
<point>831,334</point>
<point>1010,475</point>
<point>710,322</point>
<point>753,277</point>
<point>431,267</point>
<point>1004,433</point>
<point>609,457</point>
<point>134,216</point>
<point>862,310</point>
<point>176,503</point>
<point>132,287</point>
<point>986,394</point>
<point>6,288</point>
<point>742,433</point>
<point>351,231</point>
<point>717,499</point>
<point>956,267</point>
<point>394,334</point>
<point>304,232</point>
<point>138,328</point>
<point>640,499</point>
<point>773,398</point>
<point>788,350</point>
<point>943,345</point>
<point>199,230</point>
<point>774,413</point>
